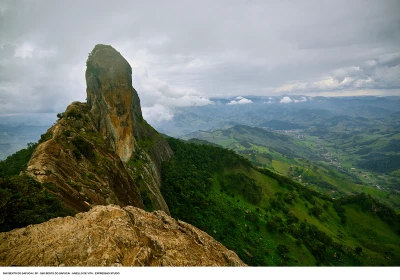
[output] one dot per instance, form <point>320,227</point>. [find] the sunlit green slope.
<point>268,219</point>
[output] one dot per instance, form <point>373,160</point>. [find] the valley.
<point>310,160</point>
<point>349,146</point>
<point>268,219</point>
<point>17,130</point>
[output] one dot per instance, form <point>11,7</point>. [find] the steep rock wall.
<point>115,108</point>
<point>112,101</point>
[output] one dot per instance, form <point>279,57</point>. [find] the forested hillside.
<point>24,201</point>
<point>268,219</point>
<point>325,161</point>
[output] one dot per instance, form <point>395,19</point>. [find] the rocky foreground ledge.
<point>113,236</point>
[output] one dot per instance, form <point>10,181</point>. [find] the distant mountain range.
<point>315,111</point>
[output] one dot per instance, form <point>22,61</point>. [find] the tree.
<point>283,250</point>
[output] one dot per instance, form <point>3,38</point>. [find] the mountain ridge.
<point>85,157</point>
<point>101,158</point>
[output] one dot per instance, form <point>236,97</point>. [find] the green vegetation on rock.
<point>23,202</point>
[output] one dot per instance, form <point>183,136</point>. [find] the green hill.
<point>313,160</point>
<point>268,219</point>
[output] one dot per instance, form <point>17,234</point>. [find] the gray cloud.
<point>382,72</point>
<point>185,52</point>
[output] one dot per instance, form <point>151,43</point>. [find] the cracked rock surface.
<point>113,236</point>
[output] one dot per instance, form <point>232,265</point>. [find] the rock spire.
<point>113,102</point>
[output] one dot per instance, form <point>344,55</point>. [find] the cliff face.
<point>103,152</point>
<point>113,103</point>
<point>113,236</point>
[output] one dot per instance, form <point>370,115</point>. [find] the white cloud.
<point>157,113</point>
<point>28,50</point>
<point>158,98</point>
<point>241,101</point>
<point>23,51</point>
<point>362,82</point>
<point>380,73</point>
<point>303,99</point>
<point>286,99</point>
<point>347,81</point>
<point>244,101</point>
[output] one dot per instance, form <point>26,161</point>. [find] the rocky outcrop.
<point>75,163</point>
<point>103,151</point>
<point>115,108</point>
<point>113,236</point>
<point>113,103</point>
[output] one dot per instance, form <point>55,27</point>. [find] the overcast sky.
<point>185,52</point>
